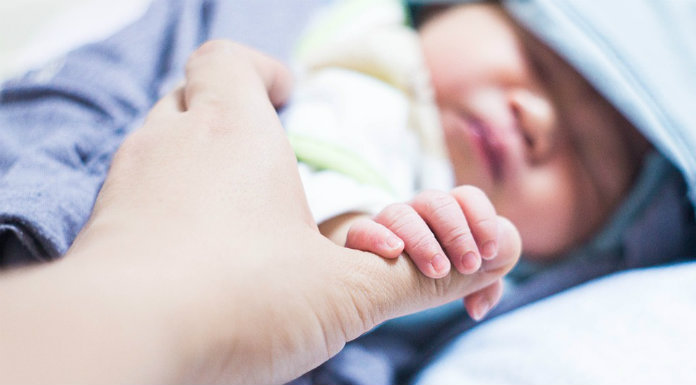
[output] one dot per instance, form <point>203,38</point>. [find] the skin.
<point>179,276</point>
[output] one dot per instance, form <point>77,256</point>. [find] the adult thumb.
<point>381,289</point>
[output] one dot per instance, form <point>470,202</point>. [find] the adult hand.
<point>201,261</point>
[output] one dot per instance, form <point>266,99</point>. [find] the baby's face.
<point>553,156</point>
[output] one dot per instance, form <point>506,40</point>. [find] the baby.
<point>539,144</point>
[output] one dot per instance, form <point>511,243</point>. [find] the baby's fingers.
<point>478,304</point>
<point>420,243</point>
<point>482,218</point>
<point>367,235</point>
<point>444,216</point>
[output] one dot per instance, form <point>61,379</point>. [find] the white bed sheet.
<point>637,327</point>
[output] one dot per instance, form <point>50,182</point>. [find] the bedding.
<point>630,328</point>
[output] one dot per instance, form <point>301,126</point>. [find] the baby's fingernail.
<point>481,310</point>
<point>489,250</point>
<point>439,263</point>
<point>470,262</point>
<point>394,243</point>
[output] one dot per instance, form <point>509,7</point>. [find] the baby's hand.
<point>463,223</point>
<point>436,229</point>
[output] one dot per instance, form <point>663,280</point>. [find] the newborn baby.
<point>539,144</point>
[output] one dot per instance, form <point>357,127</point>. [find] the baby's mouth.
<point>489,145</point>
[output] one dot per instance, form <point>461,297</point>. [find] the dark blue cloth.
<point>60,125</point>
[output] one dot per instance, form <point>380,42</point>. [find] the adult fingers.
<point>419,241</point>
<point>219,71</point>
<point>481,216</point>
<point>444,216</point>
<point>171,104</point>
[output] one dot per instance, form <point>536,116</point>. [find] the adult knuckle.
<point>442,287</point>
<point>435,288</point>
<point>213,50</point>
<point>216,46</point>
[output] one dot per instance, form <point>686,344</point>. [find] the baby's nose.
<point>535,118</point>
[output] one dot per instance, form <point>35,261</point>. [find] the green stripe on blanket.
<point>328,156</point>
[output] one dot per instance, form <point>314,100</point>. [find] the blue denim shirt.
<point>60,125</point>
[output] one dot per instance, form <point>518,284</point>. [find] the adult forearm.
<point>75,322</point>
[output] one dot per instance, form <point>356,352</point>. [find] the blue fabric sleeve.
<point>59,126</point>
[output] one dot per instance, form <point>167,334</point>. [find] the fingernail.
<point>481,310</point>
<point>489,250</point>
<point>470,262</point>
<point>439,263</point>
<point>394,243</point>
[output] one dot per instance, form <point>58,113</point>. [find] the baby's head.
<point>552,154</point>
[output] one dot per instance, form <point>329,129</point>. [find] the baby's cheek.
<point>545,207</point>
